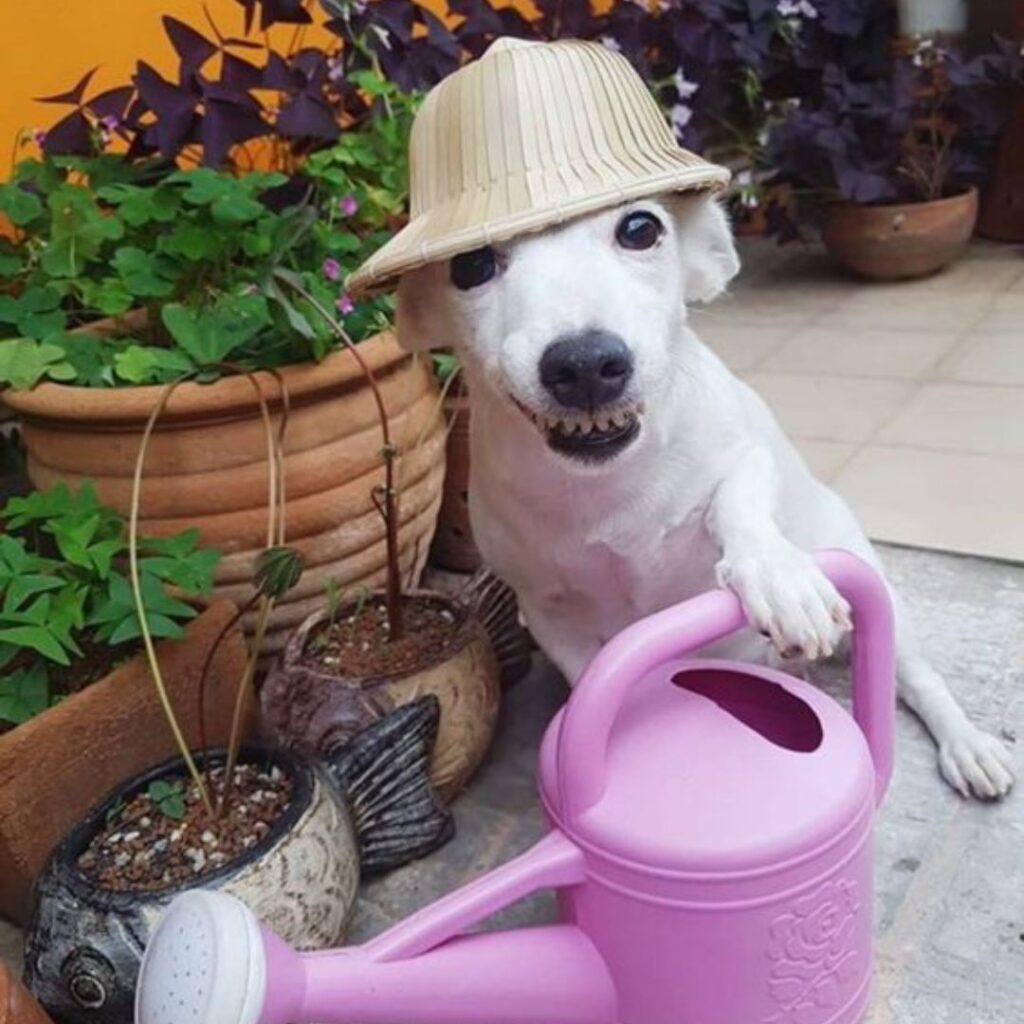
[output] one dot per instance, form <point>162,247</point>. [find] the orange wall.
<point>49,44</point>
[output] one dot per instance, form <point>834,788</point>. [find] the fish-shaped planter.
<point>368,807</point>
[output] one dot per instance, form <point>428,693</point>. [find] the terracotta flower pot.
<point>309,708</point>
<point>16,1005</point>
<point>206,465</point>
<point>906,240</point>
<point>56,766</point>
<point>84,944</point>
<point>454,547</point>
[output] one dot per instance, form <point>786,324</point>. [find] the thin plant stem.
<point>275,513</point>
<point>133,570</point>
<point>387,504</point>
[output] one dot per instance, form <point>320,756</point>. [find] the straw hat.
<point>524,138</point>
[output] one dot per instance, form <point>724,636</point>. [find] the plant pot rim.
<point>63,868</point>
<point>967,192</point>
<point>223,398</point>
<point>292,656</point>
<point>202,605</point>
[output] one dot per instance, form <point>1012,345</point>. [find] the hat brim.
<point>436,235</point>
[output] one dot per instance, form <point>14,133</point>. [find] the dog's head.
<point>578,328</point>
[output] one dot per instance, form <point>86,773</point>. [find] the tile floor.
<point>908,397</point>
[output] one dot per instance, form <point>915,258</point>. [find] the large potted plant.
<point>77,709</point>
<point>888,166</point>
<point>128,271</point>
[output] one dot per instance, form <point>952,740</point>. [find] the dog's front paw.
<point>789,599</point>
<point>972,761</point>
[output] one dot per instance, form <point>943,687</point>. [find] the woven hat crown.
<point>528,136</point>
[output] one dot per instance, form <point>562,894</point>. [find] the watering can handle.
<point>664,636</point>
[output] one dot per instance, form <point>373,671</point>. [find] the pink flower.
<point>345,305</point>
<point>110,122</point>
<point>332,269</point>
<point>38,136</point>
<point>348,205</point>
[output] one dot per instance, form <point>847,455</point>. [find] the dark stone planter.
<point>371,801</point>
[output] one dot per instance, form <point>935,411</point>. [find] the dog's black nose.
<point>586,370</point>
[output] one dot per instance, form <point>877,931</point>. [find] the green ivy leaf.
<point>140,205</point>
<point>20,205</point>
<point>78,230</point>
<point>92,358</point>
<point>24,362</point>
<point>141,364</point>
<point>193,242</point>
<point>210,334</point>
<point>109,296</point>
<point>144,274</point>
<point>38,639</point>
<point>24,694</point>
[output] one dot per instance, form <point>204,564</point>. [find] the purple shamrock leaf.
<point>72,96</point>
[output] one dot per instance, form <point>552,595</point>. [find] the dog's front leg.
<point>784,594</point>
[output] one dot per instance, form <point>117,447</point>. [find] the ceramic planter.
<point>367,807</point>
<point>308,708</point>
<point>84,943</point>
<point>454,547</point>
<point>56,766</point>
<point>907,240</point>
<point>206,465</point>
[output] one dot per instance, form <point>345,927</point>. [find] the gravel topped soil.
<point>357,644</point>
<point>164,837</point>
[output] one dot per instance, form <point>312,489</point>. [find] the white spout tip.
<point>205,964</point>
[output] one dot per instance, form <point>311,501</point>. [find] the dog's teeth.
<point>586,426</point>
<point>603,423</point>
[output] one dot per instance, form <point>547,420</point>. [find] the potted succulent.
<point>73,682</point>
<point>132,268</point>
<point>891,164</point>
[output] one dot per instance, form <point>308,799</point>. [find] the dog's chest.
<point>597,578</point>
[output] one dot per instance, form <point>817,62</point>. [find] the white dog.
<point>618,467</point>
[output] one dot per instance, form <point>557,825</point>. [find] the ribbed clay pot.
<point>206,465</point>
<point>454,547</point>
<point>84,944</point>
<point>899,241</point>
<point>57,766</point>
<point>307,707</point>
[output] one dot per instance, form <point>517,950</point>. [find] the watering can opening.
<point>771,711</point>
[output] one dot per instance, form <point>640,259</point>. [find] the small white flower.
<point>744,177</point>
<point>611,44</point>
<point>680,115</point>
<point>684,88</point>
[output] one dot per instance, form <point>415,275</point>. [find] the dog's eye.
<point>640,230</point>
<point>472,269</point>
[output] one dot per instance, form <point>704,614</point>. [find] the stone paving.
<point>950,885</point>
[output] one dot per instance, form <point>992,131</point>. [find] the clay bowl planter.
<point>907,240</point>
<point>369,806</point>
<point>84,944</point>
<point>56,766</point>
<point>206,465</point>
<point>310,704</point>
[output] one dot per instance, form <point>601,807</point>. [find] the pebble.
<point>145,822</point>
<point>209,838</point>
<point>130,837</point>
<point>122,860</point>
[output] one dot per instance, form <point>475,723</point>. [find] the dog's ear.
<point>416,319</point>
<point>706,249</point>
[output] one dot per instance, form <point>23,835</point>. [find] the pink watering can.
<point>710,844</point>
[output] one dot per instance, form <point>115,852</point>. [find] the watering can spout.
<point>427,970</point>
<point>550,975</point>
